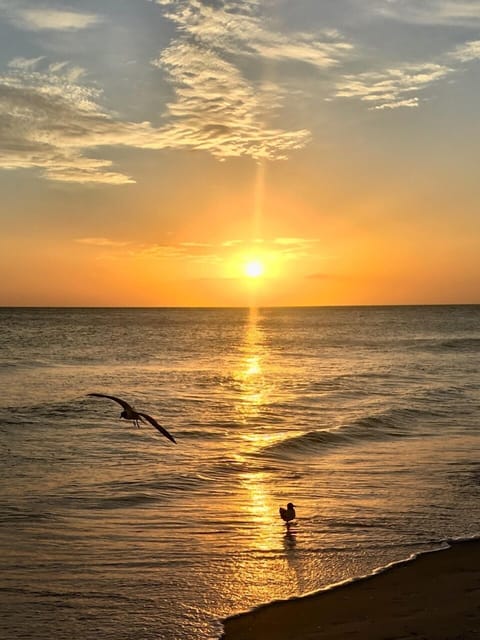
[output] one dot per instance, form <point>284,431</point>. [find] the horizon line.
<point>297,306</point>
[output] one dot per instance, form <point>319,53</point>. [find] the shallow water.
<point>366,418</point>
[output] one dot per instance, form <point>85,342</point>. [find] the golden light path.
<point>257,498</point>
<point>254,393</point>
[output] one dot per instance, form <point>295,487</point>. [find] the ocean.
<point>366,418</point>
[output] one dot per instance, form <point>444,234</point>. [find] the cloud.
<point>53,120</point>
<point>217,108</point>
<point>464,13</point>
<point>101,242</point>
<point>48,120</point>
<point>184,252</point>
<point>467,52</point>
<point>238,27</point>
<point>231,243</point>
<point>407,102</point>
<point>39,18</point>
<point>25,63</point>
<point>391,88</point>
<point>198,252</point>
<point>294,247</point>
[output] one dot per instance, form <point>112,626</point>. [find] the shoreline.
<point>434,596</point>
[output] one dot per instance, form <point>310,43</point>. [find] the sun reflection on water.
<point>275,553</point>
<point>249,373</point>
<point>276,550</point>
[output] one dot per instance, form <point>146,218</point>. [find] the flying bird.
<point>129,413</point>
<point>288,514</point>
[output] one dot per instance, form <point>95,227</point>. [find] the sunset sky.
<point>229,152</point>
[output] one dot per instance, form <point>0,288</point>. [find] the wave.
<point>68,594</point>
<point>14,514</point>
<point>197,434</point>
<point>460,344</point>
<point>126,494</point>
<point>121,501</point>
<point>8,365</point>
<point>396,423</point>
<point>39,412</point>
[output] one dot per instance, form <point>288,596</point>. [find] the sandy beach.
<point>434,597</point>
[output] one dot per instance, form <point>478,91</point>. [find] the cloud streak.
<point>400,86</point>
<point>101,242</point>
<point>463,13</point>
<point>467,52</point>
<point>40,18</point>
<point>198,252</point>
<point>391,88</point>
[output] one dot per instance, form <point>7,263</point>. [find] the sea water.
<point>367,419</point>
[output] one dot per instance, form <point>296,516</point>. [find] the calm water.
<point>366,418</point>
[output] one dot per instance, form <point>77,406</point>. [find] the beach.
<point>435,596</point>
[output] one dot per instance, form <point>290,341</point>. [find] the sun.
<point>254,268</point>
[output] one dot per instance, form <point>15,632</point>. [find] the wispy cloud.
<point>238,27</point>
<point>434,12</point>
<point>218,108</point>
<point>48,119</point>
<point>294,247</point>
<point>390,88</point>
<point>101,242</point>
<point>184,251</point>
<point>41,18</point>
<point>24,63</point>
<point>467,52</point>
<point>400,86</point>
<point>218,111</point>
<point>51,117</point>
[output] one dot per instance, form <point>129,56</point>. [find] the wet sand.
<point>434,597</point>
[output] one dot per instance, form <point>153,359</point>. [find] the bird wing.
<point>124,404</point>
<point>282,512</point>
<point>157,426</point>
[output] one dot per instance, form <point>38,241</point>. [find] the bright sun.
<point>254,268</point>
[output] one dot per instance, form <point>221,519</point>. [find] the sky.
<point>239,152</point>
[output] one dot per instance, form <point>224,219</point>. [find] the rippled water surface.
<point>366,418</point>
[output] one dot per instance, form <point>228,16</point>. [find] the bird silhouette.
<point>129,413</point>
<point>287,514</point>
